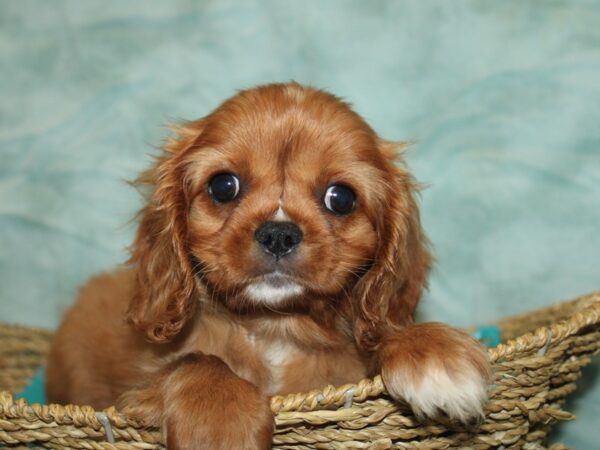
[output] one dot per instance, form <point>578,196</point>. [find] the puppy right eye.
<point>224,187</point>
<point>340,199</point>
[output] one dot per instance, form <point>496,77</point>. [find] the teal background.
<point>502,99</point>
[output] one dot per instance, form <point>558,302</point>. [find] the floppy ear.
<point>387,295</point>
<point>163,300</point>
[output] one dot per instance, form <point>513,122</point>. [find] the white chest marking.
<point>276,356</point>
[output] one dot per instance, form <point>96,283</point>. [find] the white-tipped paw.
<point>437,369</point>
<point>460,396</point>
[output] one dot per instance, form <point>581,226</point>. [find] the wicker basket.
<point>535,369</point>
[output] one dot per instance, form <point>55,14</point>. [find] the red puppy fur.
<point>268,279</point>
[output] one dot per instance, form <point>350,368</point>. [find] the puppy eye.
<point>224,187</point>
<point>339,199</point>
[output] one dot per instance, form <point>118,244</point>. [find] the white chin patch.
<point>273,291</point>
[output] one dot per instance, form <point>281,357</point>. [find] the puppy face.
<point>286,187</point>
<point>281,196</point>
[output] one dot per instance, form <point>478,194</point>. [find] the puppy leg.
<point>436,368</point>
<point>201,404</point>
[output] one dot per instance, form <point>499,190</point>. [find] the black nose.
<point>278,238</point>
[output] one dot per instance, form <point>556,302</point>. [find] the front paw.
<point>201,404</point>
<point>218,410</point>
<point>436,368</point>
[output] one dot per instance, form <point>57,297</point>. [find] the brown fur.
<point>182,292</point>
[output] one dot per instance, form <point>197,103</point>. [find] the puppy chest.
<point>291,369</point>
<point>276,365</point>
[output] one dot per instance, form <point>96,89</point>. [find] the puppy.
<point>280,250</point>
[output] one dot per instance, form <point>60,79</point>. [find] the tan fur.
<point>141,337</point>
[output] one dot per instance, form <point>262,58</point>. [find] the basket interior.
<point>22,352</point>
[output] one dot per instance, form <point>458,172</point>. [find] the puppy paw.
<point>206,406</point>
<point>437,369</point>
<point>199,403</point>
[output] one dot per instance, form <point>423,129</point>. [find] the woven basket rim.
<point>583,311</point>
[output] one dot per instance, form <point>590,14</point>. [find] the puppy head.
<point>283,198</point>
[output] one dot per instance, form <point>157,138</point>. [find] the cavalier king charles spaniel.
<point>279,250</point>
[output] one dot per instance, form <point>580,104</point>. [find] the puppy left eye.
<point>340,199</point>
<point>224,187</point>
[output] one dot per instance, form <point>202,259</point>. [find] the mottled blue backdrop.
<point>501,98</point>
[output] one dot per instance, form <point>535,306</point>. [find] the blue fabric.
<point>490,335</point>
<point>35,391</point>
<point>500,97</point>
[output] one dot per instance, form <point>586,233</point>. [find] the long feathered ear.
<point>163,300</point>
<point>385,298</point>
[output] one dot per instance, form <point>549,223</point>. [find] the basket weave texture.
<point>535,369</point>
